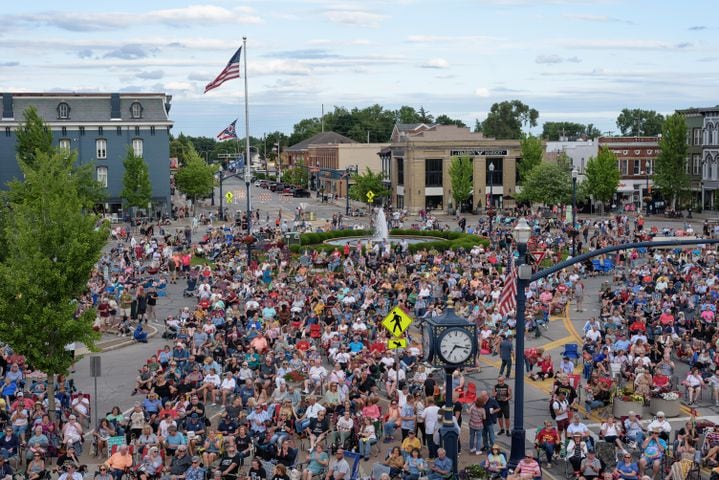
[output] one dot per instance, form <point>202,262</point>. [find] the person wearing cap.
<point>6,471</point>
<point>195,471</point>
<point>496,461</point>
<point>653,450</point>
<point>119,461</point>
<point>527,467</point>
<point>660,423</point>
<point>591,466</point>
<point>576,451</point>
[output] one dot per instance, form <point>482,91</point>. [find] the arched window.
<point>136,110</point>
<point>63,111</point>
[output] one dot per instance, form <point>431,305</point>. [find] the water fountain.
<point>381,234</point>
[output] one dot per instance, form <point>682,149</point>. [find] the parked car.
<point>301,193</point>
<point>264,184</point>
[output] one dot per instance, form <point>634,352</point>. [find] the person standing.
<point>431,424</point>
<point>506,348</point>
<point>491,409</point>
<point>503,394</point>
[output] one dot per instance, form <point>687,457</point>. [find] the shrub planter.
<point>622,408</point>
<point>671,408</point>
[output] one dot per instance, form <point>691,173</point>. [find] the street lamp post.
<point>648,196</point>
<point>575,174</point>
<point>490,209</point>
<point>522,232</point>
<point>348,171</point>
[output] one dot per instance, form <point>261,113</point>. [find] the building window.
<point>82,130</point>
<point>137,130</point>
<point>63,111</point>
<point>697,136</point>
<point>101,173</point>
<point>152,130</point>
<point>119,130</point>
<point>7,131</point>
<point>433,172</point>
<point>400,171</point>
<point>623,167</point>
<point>137,147</point>
<point>136,110</point>
<point>101,148</point>
<point>696,164</point>
<point>64,131</point>
<point>637,167</point>
<point>65,144</point>
<point>497,175</point>
<point>100,131</point>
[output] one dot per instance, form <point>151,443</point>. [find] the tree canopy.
<point>532,154</point>
<point>506,119</point>
<point>365,182</point>
<point>553,131</point>
<point>547,183</point>
<point>136,186</point>
<point>670,176</point>
<point>33,137</point>
<point>196,178</point>
<point>638,122</point>
<point>460,173</point>
<point>602,176</point>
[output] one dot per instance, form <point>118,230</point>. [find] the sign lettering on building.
<point>475,152</point>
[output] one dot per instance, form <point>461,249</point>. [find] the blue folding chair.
<point>353,458</point>
<point>571,350</point>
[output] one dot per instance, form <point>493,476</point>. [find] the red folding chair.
<point>470,395</point>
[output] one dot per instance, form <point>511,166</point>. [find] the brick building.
<point>635,160</point>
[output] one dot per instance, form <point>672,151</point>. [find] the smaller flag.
<point>228,133</point>
<point>508,297</point>
<point>232,70</point>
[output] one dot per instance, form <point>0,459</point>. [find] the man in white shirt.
<point>227,386</point>
<point>312,410</point>
<point>316,376</point>
<point>660,423</point>
<point>431,424</point>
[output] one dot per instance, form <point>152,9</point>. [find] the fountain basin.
<point>352,241</point>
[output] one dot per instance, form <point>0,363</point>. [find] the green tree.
<point>638,122</point>
<point>136,187</point>
<point>52,244</point>
<point>460,174</point>
<point>532,154</point>
<point>365,182</point>
<point>547,183</point>
<point>424,115</point>
<point>446,120</point>
<point>33,136</point>
<point>196,178</point>
<point>407,114</point>
<point>506,119</point>
<point>296,175</point>
<point>591,131</point>
<point>180,148</point>
<point>553,131</point>
<point>670,176</point>
<point>564,161</point>
<point>602,176</point>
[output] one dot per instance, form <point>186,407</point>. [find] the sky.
<point>572,60</point>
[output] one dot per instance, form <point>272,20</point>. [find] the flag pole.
<point>248,173</point>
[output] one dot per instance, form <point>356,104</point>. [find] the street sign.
<point>397,321</point>
<point>228,197</point>
<point>395,343</point>
<point>539,256</point>
<point>370,196</point>
<point>95,369</point>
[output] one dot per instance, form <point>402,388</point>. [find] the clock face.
<point>455,345</point>
<point>427,343</point>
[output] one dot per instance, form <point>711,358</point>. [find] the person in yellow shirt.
<point>119,461</point>
<point>410,443</point>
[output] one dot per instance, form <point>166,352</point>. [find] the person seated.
<point>139,335</point>
<point>441,467</point>
<point>653,450</point>
<point>36,468</point>
<point>546,368</point>
<point>395,461</point>
<point>496,462</point>
<point>626,469</point>
<point>548,440</point>
<point>576,451</point>
<point>527,468</point>
<point>119,462</point>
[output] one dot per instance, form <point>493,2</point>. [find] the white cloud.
<point>595,18</point>
<point>459,39</point>
<point>321,42</point>
<point>359,18</point>
<point>555,59</point>
<point>482,92</point>
<point>621,44</point>
<point>436,63</point>
<point>102,21</point>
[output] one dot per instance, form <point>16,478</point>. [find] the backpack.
<point>552,413</point>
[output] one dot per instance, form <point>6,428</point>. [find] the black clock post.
<point>449,342</point>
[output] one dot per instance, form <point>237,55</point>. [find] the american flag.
<point>232,70</point>
<point>228,133</point>
<point>508,297</point>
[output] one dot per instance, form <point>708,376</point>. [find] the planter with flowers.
<point>625,402</point>
<point>666,402</point>
<point>294,376</point>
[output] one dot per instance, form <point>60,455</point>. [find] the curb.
<point>151,332</point>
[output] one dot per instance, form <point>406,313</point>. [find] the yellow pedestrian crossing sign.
<point>395,343</point>
<point>370,196</point>
<point>397,321</point>
<point>228,197</point>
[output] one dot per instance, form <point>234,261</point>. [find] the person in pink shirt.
<point>527,468</point>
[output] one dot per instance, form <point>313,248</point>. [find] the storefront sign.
<point>472,152</point>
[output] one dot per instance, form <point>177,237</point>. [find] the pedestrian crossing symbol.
<point>397,321</point>
<point>228,197</point>
<point>395,343</point>
<point>370,196</point>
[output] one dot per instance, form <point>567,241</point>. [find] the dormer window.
<point>63,111</point>
<point>136,110</point>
